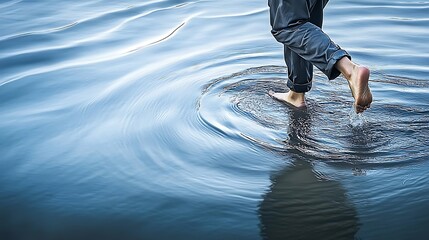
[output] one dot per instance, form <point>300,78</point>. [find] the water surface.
<point>151,120</point>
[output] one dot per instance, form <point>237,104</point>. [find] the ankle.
<point>295,96</point>
<point>346,67</point>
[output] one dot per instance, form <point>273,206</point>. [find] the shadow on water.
<point>302,203</point>
<point>100,137</point>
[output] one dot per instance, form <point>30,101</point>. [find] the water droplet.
<point>356,120</point>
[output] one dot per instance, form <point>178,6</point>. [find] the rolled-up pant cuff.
<point>331,71</point>
<point>299,88</point>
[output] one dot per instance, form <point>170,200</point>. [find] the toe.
<point>359,109</point>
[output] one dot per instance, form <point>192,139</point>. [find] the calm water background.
<point>150,120</point>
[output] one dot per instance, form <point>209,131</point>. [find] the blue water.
<point>150,120</point>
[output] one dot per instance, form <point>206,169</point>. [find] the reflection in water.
<point>99,131</point>
<point>302,203</point>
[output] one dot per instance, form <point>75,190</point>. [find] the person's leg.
<point>292,27</point>
<point>300,75</point>
<point>300,71</point>
<point>291,24</point>
<point>357,77</point>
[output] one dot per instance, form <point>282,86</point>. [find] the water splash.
<point>356,120</point>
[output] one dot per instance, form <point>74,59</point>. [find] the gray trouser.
<point>297,24</point>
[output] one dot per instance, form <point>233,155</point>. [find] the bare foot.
<point>358,83</point>
<point>291,98</point>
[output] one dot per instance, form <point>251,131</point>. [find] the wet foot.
<point>290,98</point>
<point>358,83</point>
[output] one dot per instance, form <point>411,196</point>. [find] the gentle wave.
<point>155,115</point>
<point>368,144</point>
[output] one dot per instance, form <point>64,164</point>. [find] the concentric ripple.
<point>238,105</point>
<point>101,134</point>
